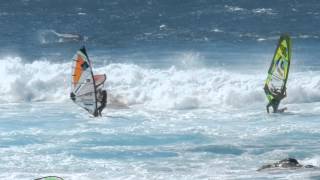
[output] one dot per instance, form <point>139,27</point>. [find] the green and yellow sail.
<point>279,69</point>
<point>50,178</point>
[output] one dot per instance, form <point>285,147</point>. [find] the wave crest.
<point>170,88</point>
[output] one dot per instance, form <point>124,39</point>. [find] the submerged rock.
<point>289,163</point>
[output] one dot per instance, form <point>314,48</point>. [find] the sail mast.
<point>83,49</point>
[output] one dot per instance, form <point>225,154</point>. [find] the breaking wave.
<point>171,88</point>
<point>51,36</point>
<point>257,11</point>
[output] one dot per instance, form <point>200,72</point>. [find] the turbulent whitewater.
<point>169,88</point>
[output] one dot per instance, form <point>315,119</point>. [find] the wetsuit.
<point>72,96</point>
<point>275,103</point>
<point>103,102</point>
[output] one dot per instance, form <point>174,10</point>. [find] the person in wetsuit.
<point>277,97</point>
<point>103,101</point>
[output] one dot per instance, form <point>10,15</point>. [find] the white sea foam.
<point>257,11</point>
<point>177,87</point>
<point>82,13</point>
<point>216,30</point>
<point>234,8</point>
<point>267,11</point>
<point>37,81</point>
<point>49,36</point>
<point>261,39</point>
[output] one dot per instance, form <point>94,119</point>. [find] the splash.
<point>52,36</point>
<point>172,88</point>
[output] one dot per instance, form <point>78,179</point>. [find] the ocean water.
<point>191,72</point>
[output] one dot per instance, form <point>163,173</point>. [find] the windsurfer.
<point>102,98</point>
<point>277,97</point>
<point>275,84</point>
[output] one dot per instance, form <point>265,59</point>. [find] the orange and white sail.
<point>84,84</point>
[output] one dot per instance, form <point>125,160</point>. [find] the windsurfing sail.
<point>275,84</point>
<point>99,80</point>
<point>84,84</point>
<point>50,178</point>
